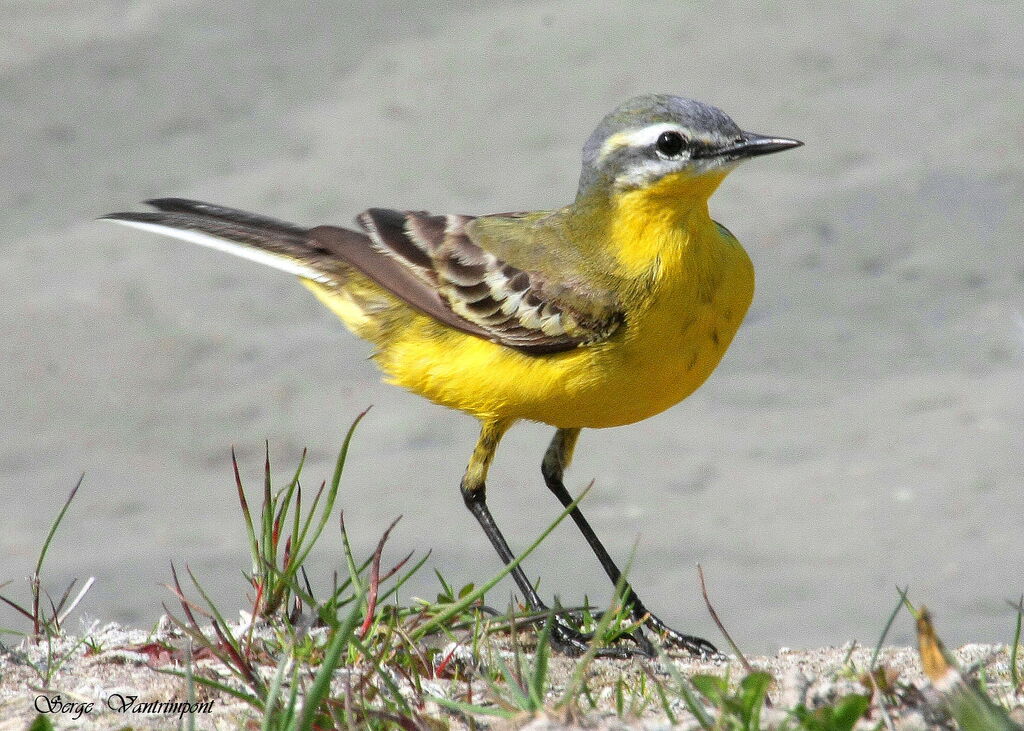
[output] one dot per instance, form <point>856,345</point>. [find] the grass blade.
<point>1014,671</point>
<point>340,641</point>
<point>888,626</point>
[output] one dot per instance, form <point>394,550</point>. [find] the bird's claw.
<point>693,645</point>
<point>568,640</point>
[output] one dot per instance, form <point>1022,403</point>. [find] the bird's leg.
<point>564,637</point>
<point>556,459</point>
<point>474,493</point>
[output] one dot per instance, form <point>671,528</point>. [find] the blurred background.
<point>864,431</point>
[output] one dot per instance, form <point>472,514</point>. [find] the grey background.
<point>864,430</point>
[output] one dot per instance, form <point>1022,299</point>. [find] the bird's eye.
<point>670,144</point>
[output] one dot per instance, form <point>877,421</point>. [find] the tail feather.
<point>223,213</point>
<point>260,239</point>
<point>329,256</point>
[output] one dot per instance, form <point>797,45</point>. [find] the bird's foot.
<point>669,637</point>
<point>568,640</point>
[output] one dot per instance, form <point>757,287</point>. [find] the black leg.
<point>556,459</point>
<point>476,501</point>
<point>564,637</point>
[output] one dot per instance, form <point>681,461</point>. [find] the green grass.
<point>358,657</point>
<point>47,617</point>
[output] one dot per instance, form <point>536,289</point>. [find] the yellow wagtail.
<point>601,313</point>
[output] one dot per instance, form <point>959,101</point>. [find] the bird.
<point>598,314</point>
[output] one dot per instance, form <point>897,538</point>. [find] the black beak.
<point>752,145</point>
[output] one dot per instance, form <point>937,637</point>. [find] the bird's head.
<point>668,145</point>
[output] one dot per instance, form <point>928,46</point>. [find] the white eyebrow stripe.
<point>640,137</point>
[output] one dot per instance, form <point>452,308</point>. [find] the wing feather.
<point>519,308</point>
<point>434,264</point>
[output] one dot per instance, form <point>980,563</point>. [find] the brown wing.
<point>427,261</point>
<point>321,254</point>
<point>517,308</point>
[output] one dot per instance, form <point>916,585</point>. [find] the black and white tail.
<point>258,238</point>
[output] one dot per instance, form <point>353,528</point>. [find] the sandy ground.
<point>864,431</point>
<point>120,684</point>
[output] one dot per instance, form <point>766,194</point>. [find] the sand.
<point>126,682</point>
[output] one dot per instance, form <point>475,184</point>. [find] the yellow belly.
<point>666,349</point>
